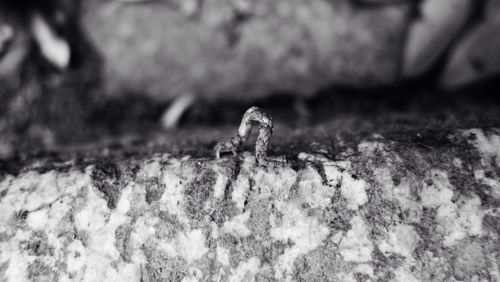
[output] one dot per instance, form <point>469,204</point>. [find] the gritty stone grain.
<point>354,218</point>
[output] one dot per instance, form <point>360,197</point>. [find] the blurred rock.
<point>244,49</point>
<point>477,54</point>
<point>439,23</point>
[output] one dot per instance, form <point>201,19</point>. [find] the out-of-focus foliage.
<point>477,53</point>
<point>52,52</point>
<point>458,36</point>
<point>47,70</point>
<point>439,22</point>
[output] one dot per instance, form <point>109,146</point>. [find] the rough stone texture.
<point>245,49</point>
<point>418,208</point>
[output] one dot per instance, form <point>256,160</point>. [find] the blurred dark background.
<point>73,73</point>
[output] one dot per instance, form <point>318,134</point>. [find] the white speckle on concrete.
<point>241,186</point>
<point>346,277</point>
<point>169,248</point>
<point>400,193</point>
<point>194,275</point>
<point>495,267</point>
<point>456,219</point>
<point>312,190</point>
<point>40,195</point>
<point>18,263</point>
<point>214,230</point>
<point>76,259</point>
<point>402,240</point>
<point>355,246</point>
<point>151,169</point>
<point>480,177</point>
<point>175,177</point>
<point>245,271</point>
<point>402,275</point>
<point>364,268</point>
<point>306,232</point>
<point>50,216</point>
<point>335,171</point>
<point>304,156</point>
<point>100,253</point>
<point>189,278</point>
<point>488,146</point>
<point>459,220</point>
<point>274,183</point>
<point>93,219</point>
<point>438,192</point>
<point>123,272</point>
<point>336,238</point>
<point>353,190</point>
<point>123,205</point>
<point>370,148</point>
<point>220,185</point>
<point>191,245</point>
<point>38,219</point>
<point>47,201</point>
<point>457,163</point>
<point>47,191</point>
<point>236,226</point>
<point>143,230</point>
<point>222,255</point>
<point>87,264</point>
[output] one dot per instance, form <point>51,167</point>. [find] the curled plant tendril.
<point>251,116</point>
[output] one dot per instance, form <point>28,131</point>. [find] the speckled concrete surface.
<point>382,209</point>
